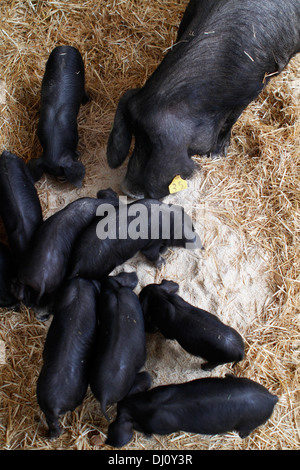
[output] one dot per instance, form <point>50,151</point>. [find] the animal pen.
<point>245,207</point>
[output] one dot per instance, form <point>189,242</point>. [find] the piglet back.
<point>20,207</point>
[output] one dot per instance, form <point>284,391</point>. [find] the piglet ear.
<point>150,326</point>
<point>169,286</point>
<point>74,171</point>
<point>141,384</point>
<point>36,168</point>
<point>120,137</point>
<point>120,432</point>
<point>127,279</point>
<point>106,194</point>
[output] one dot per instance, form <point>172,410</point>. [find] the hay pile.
<point>245,208</point>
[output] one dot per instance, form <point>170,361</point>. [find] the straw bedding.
<point>245,208</point>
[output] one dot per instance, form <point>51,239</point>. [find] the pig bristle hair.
<point>254,191</point>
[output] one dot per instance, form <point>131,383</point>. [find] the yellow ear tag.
<point>178,184</point>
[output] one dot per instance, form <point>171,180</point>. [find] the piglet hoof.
<point>207,366</point>
<point>41,314</point>
<point>86,98</point>
<point>215,156</point>
<point>245,433</point>
<point>62,179</point>
<point>220,153</point>
<point>160,262</point>
<point>42,317</point>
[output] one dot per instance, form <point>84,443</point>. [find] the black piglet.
<point>120,345</point>
<point>63,380</point>
<point>197,331</point>
<point>63,91</point>
<point>210,405</point>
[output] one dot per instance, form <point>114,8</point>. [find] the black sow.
<point>225,53</point>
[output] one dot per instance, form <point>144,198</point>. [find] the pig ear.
<point>127,279</point>
<point>164,164</point>
<point>141,383</point>
<point>36,168</point>
<point>74,171</point>
<point>119,433</point>
<point>150,326</point>
<point>169,286</point>
<point>120,137</point>
<point>106,193</point>
<point>97,285</point>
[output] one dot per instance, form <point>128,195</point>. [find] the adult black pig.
<point>61,96</point>
<point>225,53</point>
<point>197,331</point>
<point>20,207</point>
<point>205,406</point>
<point>147,225</point>
<point>120,344</point>
<point>63,380</point>
<point>45,265</point>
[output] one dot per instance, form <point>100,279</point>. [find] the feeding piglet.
<point>20,207</point>
<point>204,406</point>
<point>225,53</point>
<point>147,225</point>
<point>63,380</point>
<point>61,96</point>
<point>120,344</point>
<point>44,266</point>
<point>197,331</point>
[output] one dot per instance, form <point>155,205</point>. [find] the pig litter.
<point>226,277</point>
<point>245,209</point>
